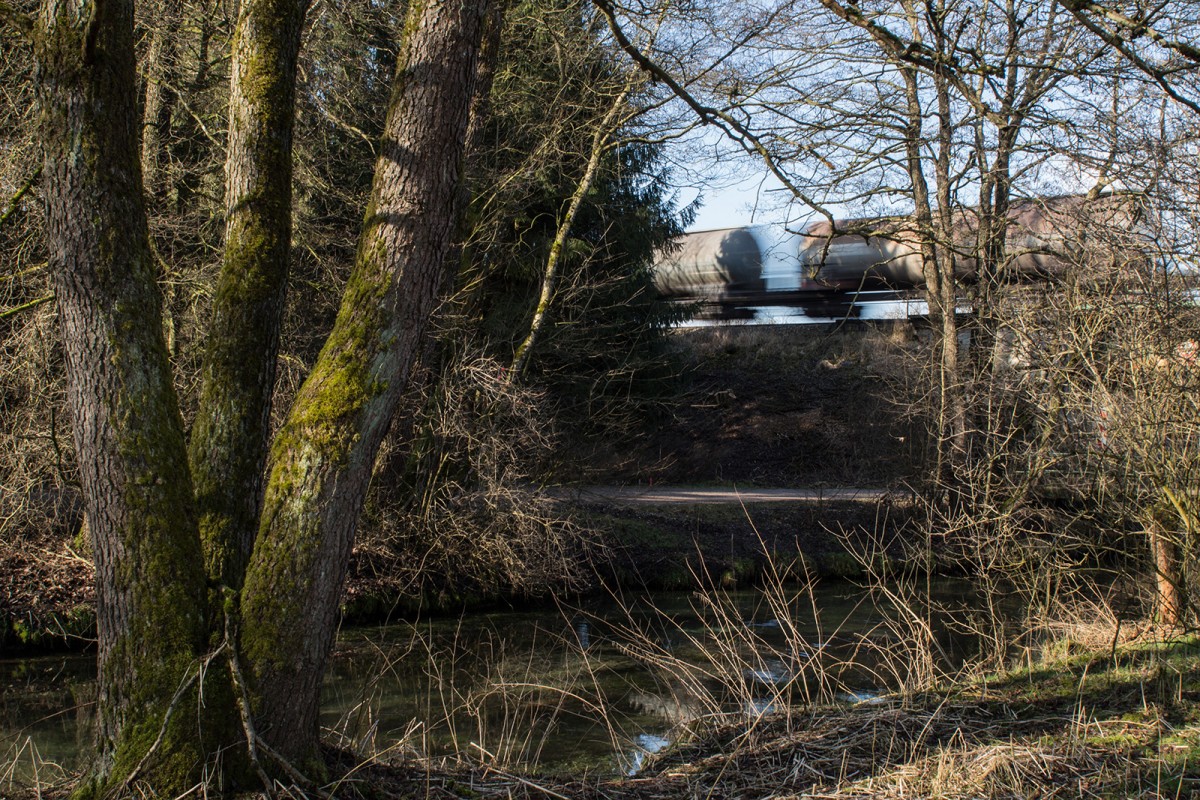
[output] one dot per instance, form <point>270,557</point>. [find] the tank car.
<point>711,265</point>
<point>1044,237</point>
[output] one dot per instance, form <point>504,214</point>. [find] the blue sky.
<point>745,202</point>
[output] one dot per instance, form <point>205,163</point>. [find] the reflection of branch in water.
<point>678,709</point>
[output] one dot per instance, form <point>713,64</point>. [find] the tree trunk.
<point>230,436</point>
<point>127,426</point>
<point>159,96</point>
<point>322,459</point>
<point>1168,599</point>
<point>938,268</point>
<point>600,146</point>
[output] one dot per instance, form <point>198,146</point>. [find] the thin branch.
<point>16,200</point>
<point>184,686</point>
<point>26,306</point>
<point>1136,28</point>
<point>1114,40</point>
<point>914,53</point>
<point>297,777</point>
<point>16,276</point>
<point>726,122</point>
<point>243,704</point>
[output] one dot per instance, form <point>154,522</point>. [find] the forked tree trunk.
<point>126,422</point>
<point>321,461</point>
<point>154,615</point>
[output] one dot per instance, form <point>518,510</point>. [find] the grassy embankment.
<point>1091,724</point>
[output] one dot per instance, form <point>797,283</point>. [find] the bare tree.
<point>1002,141</point>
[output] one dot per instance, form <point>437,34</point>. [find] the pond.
<point>587,688</point>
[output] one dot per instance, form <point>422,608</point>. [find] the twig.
<point>528,783</point>
<point>243,704</point>
<point>16,200</point>
<point>27,271</point>
<point>296,775</point>
<point>26,306</point>
<point>254,742</point>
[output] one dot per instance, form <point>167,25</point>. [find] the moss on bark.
<point>322,459</point>
<point>229,439</point>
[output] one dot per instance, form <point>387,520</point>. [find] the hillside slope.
<point>779,406</point>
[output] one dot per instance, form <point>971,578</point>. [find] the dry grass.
<point>1082,727</point>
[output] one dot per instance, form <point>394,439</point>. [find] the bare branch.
<point>17,20</point>
<point>26,306</point>
<point>16,200</point>
<point>728,123</point>
<point>1160,76</point>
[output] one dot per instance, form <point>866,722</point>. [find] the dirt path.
<point>683,495</point>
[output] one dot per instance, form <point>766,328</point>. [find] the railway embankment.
<point>786,445</point>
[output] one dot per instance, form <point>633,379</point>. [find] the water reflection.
<point>47,716</point>
<point>645,744</point>
<point>590,689</point>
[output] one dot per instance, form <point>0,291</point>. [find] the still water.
<point>590,688</point>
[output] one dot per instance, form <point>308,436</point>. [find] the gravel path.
<point>684,495</point>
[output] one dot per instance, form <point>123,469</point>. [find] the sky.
<point>736,190</point>
<point>752,200</point>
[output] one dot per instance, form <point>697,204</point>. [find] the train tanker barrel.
<point>711,265</point>
<point>854,262</point>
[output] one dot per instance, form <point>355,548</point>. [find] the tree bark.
<point>1168,598</point>
<point>322,459</point>
<point>230,436</point>
<point>127,426</point>
<point>159,96</point>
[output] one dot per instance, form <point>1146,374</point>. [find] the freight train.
<point>822,269</point>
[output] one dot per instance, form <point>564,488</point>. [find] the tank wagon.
<point>711,265</point>
<point>823,262</point>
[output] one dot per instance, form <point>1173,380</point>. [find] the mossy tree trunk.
<point>321,461</point>
<point>127,427</point>
<point>230,436</point>
<point>158,625</point>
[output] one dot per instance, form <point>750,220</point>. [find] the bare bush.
<point>459,516</point>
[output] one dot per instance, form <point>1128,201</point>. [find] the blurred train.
<point>828,270</point>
